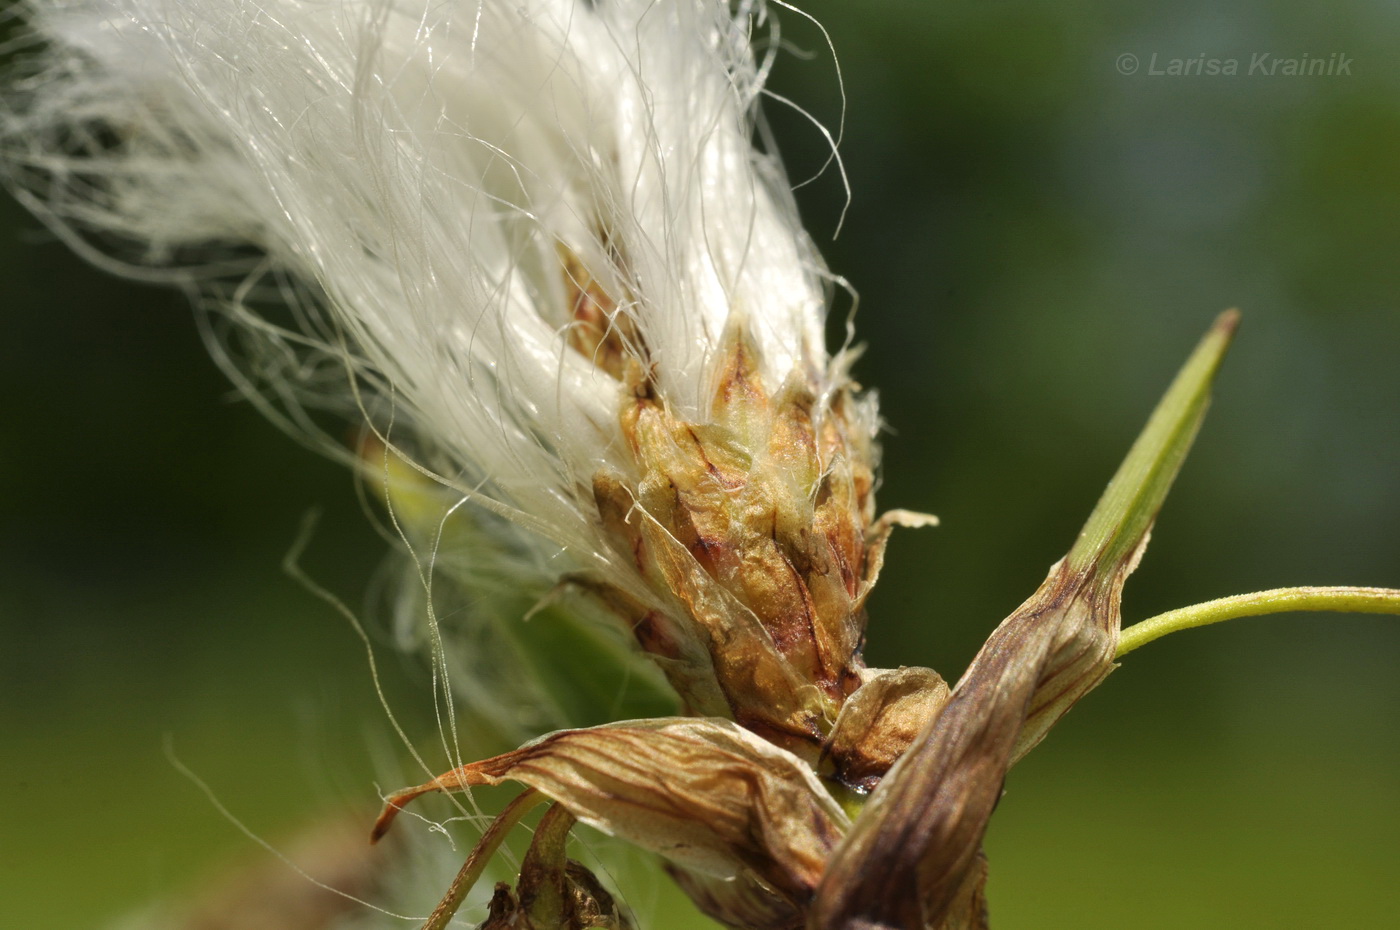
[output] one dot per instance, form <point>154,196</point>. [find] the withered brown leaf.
<point>705,794</point>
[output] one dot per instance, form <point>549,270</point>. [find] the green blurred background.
<point>1038,239</point>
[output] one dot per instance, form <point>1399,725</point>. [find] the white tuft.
<point>404,171</point>
<point>375,193</point>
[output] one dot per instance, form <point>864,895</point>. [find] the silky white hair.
<point>373,194</point>
<point>406,170</point>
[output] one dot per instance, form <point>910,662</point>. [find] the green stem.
<point>1276,601</point>
<point>543,885</point>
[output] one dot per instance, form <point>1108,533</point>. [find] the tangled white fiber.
<point>378,192</point>
<point>375,195</point>
<point>414,166</point>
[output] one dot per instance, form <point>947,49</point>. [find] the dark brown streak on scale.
<point>950,782</point>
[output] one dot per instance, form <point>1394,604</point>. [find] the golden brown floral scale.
<point>755,534</point>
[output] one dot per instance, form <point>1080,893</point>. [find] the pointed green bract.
<point>1130,503</point>
<point>913,857</point>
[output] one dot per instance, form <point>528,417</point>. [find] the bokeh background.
<point>1038,239</point>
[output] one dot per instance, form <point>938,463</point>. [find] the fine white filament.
<point>376,194</point>
<point>413,166</point>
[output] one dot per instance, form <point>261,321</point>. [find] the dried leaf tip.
<point>711,798</point>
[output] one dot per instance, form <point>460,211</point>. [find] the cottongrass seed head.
<point>492,223</point>
<point>533,248</point>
